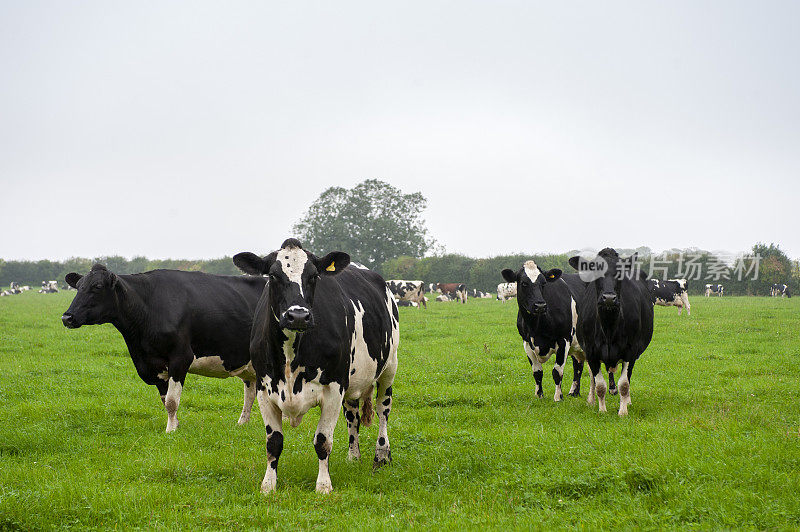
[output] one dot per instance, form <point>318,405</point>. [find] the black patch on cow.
<point>319,446</point>
<point>275,445</point>
<point>381,441</point>
<point>351,439</point>
<point>269,430</point>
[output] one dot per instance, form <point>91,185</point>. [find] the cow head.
<point>293,274</point>
<point>531,281</point>
<point>609,279</point>
<point>97,298</point>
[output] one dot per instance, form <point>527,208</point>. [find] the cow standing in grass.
<point>714,289</point>
<point>323,334</point>
<point>455,291</point>
<point>546,320</point>
<point>615,321</point>
<point>670,293</point>
<point>506,291</point>
<point>411,291</point>
<point>174,323</point>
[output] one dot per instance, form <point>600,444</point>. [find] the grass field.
<point>712,439</point>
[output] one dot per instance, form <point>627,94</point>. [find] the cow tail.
<point>367,412</point>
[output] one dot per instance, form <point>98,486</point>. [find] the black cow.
<point>615,321</point>
<point>174,323</point>
<point>546,320</point>
<point>323,334</point>
<point>670,293</point>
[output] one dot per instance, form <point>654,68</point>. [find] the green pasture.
<point>712,440</point>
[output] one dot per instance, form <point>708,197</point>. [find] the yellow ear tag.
<point>331,268</point>
<point>551,276</point>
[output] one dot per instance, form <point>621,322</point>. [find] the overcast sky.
<point>199,129</point>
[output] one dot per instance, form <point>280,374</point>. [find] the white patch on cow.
<point>365,367</point>
<point>293,262</point>
<point>600,389</point>
<point>171,403</point>
<point>531,270</point>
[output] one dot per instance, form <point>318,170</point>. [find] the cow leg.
<point>624,390</point>
<point>176,377</point>
<point>612,387</point>
<point>323,438</point>
<point>383,453</point>
<point>249,397</point>
<point>558,371</point>
<point>592,389</point>
<point>599,384</point>
<point>536,366</point>
<point>350,408</point>
<point>577,371</point>
<point>272,417</point>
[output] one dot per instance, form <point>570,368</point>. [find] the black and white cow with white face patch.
<point>411,291</point>
<point>174,323</point>
<point>714,289</point>
<point>323,334</point>
<point>506,291</point>
<point>546,322</point>
<point>670,293</point>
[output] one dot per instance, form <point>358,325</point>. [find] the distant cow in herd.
<point>780,290</point>
<point>615,321</point>
<point>49,287</point>
<point>506,291</point>
<point>323,334</point>
<point>455,291</point>
<point>714,289</point>
<point>408,291</point>
<point>670,293</point>
<point>174,323</point>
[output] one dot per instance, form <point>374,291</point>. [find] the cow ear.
<point>113,280</point>
<point>332,263</point>
<point>574,261</point>
<point>72,279</point>
<point>552,275</point>
<point>509,275</point>
<point>250,263</point>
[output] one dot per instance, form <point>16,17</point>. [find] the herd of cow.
<point>48,287</point>
<point>302,331</point>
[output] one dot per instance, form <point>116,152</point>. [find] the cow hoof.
<point>623,413</point>
<point>267,488</point>
<point>324,488</point>
<point>558,398</point>
<point>381,459</point>
<point>243,420</point>
<point>354,456</point>
<point>575,394</point>
<point>171,427</point>
<point>613,391</point>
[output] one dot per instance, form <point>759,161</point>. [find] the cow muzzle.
<point>609,300</point>
<point>297,319</point>
<point>539,309</point>
<point>69,321</point>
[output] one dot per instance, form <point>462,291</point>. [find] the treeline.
<point>700,267</point>
<point>34,272</point>
<point>744,275</point>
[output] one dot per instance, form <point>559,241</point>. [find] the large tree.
<point>373,222</point>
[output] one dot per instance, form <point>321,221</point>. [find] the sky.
<point>202,129</point>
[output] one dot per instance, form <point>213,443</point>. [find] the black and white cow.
<point>780,290</point>
<point>714,289</point>
<point>477,294</point>
<point>546,321</point>
<point>670,293</point>
<point>49,287</point>
<point>615,322</point>
<point>323,334</point>
<point>174,323</point>
<point>506,291</point>
<point>412,291</point>
<point>433,287</point>
<point>443,298</point>
<point>403,303</point>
